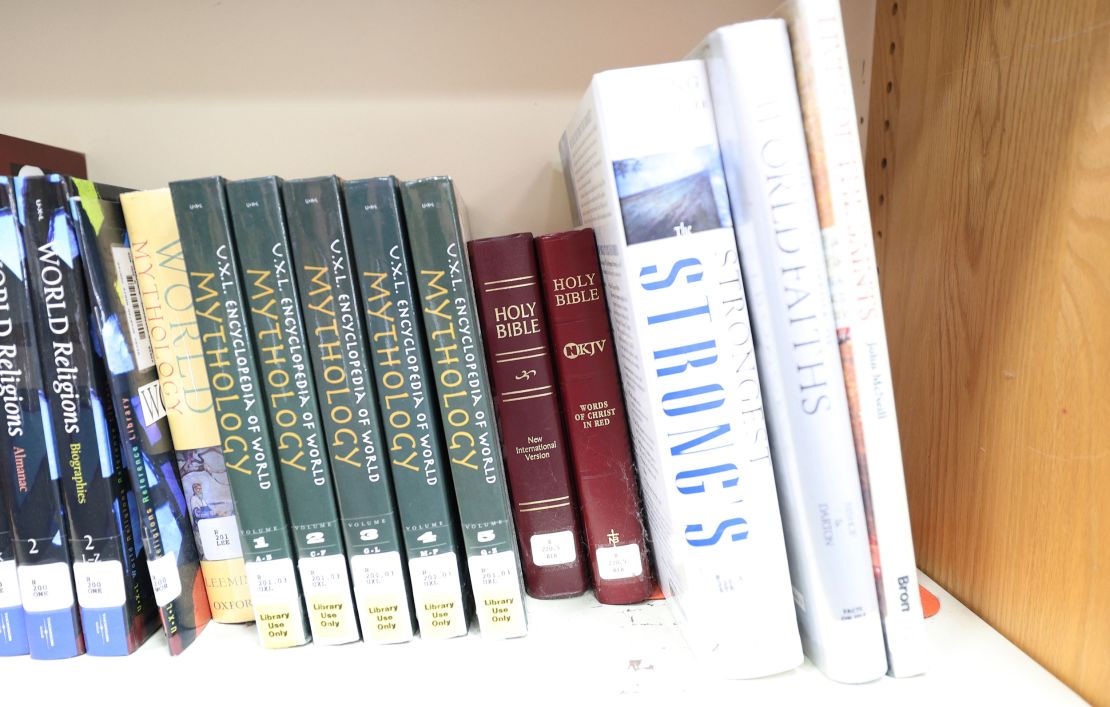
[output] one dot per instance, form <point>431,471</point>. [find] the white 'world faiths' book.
<point>760,128</point>
<point>642,158</point>
<point>829,113</point>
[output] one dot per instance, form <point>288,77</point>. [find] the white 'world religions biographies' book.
<point>763,147</point>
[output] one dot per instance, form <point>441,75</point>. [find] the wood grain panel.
<point>994,259</point>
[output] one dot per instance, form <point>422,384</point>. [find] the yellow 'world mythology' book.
<point>187,398</point>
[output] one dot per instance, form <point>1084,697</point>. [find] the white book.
<point>829,112</point>
<point>764,150</point>
<point>646,173</point>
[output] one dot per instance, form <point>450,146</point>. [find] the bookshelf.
<point>988,195</point>
<point>481,90</point>
<point>577,650</point>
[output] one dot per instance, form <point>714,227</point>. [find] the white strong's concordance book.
<point>642,158</point>
<point>825,89</point>
<point>760,127</point>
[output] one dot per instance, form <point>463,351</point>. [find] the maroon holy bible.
<point>597,429</point>
<point>510,305</point>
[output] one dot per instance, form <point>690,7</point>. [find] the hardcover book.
<point>119,329</point>
<point>19,157</point>
<point>109,564</point>
<point>829,117</point>
<point>187,399</point>
<point>448,307</point>
<point>783,261</point>
<point>13,624</point>
<point>221,309</point>
<point>414,437</point>
<point>645,163</point>
<point>330,303</point>
<point>514,326</point>
<point>28,472</point>
<point>596,421</point>
<point>262,247</point>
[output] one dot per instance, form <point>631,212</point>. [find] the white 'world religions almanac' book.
<point>644,170</point>
<point>759,123</point>
<point>829,113</point>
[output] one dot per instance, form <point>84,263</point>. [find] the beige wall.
<point>480,90</point>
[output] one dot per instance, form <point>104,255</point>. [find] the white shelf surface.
<point>577,652</point>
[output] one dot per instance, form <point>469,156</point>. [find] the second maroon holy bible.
<point>597,429</point>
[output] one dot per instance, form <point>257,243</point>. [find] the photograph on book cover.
<point>204,478</point>
<point>658,191</point>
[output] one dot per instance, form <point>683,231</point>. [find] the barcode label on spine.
<point>132,300</point>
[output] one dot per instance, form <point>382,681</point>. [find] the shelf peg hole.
<point>882,199</point>
<point>894,9</point>
<point>892,45</point>
<point>886,126</point>
<point>889,86</point>
<point>883,163</point>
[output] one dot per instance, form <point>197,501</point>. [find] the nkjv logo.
<point>573,350</point>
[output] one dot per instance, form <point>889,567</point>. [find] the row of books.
<point>728,198</point>
<point>271,331</point>
<point>314,377</point>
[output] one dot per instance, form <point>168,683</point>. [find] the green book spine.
<point>352,426</point>
<point>262,247</point>
<point>229,354</point>
<point>406,398</point>
<point>466,403</point>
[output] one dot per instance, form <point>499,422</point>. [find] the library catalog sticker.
<point>9,585</point>
<point>437,593</point>
<point>619,562</point>
<point>497,596</point>
<point>46,587</point>
<point>327,594</point>
<point>132,300</point>
<point>553,548</point>
<point>150,401</point>
<point>164,577</point>
<point>277,603</point>
<point>383,605</point>
<point>219,538</point>
<point>99,584</point>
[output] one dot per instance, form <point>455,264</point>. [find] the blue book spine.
<point>28,466</point>
<point>13,626</point>
<point>115,614</point>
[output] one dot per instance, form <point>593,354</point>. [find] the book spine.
<point>756,104</point>
<point>646,165</point>
<point>262,247</point>
<point>417,454</point>
<point>187,399</point>
<point>30,467</point>
<point>593,410</point>
<point>447,304</point>
<point>13,622</point>
<point>829,116</point>
<point>200,207</point>
<point>514,327</point>
<point>119,330</point>
<point>115,615</point>
<point>330,304</point>
<point>34,505</point>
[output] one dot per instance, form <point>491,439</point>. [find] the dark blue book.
<point>28,466</point>
<point>109,565</point>
<point>119,327</point>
